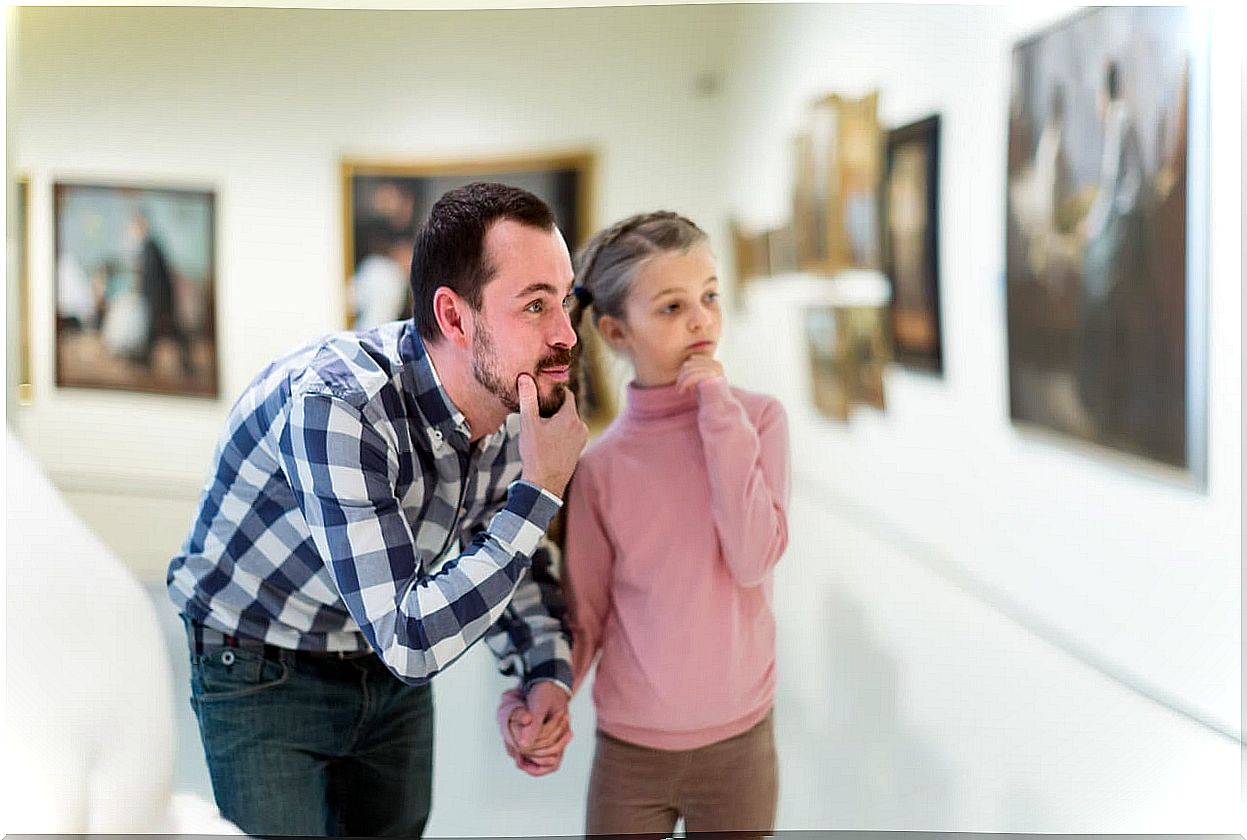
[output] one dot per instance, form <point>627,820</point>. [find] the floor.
<point>903,704</point>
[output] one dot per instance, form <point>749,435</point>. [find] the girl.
<point>675,519</point>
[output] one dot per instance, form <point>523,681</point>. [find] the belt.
<point>206,641</point>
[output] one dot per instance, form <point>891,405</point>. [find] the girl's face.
<point>671,314</point>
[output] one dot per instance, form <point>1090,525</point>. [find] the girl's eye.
<point>712,297</point>
<point>671,307</point>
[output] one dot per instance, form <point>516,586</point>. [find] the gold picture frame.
<point>385,200</point>
<point>25,376</point>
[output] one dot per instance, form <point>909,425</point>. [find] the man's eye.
<point>567,302</point>
<point>534,307</point>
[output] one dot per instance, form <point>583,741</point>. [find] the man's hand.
<point>696,369</point>
<point>549,448</point>
<point>538,732</point>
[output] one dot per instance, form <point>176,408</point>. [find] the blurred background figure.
<point>379,287</point>
<point>1119,339</point>
<point>384,235</point>
<point>77,306</point>
<point>156,283</point>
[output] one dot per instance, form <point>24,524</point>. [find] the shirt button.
<point>227,658</point>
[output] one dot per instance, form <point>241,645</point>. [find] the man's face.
<point>522,326</point>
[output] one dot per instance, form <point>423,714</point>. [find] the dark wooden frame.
<point>925,132</point>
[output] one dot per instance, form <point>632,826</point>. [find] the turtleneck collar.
<point>664,402</point>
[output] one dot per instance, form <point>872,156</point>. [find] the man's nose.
<point>565,335</point>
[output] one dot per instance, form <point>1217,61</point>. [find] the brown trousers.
<point>729,787</point>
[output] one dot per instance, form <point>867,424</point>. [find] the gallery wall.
<point>688,107</point>
<point>1132,568</point>
<point>261,106</point>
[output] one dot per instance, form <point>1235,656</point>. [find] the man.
<point>375,509</point>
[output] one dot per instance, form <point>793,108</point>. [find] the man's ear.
<point>614,331</point>
<point>451,313</point>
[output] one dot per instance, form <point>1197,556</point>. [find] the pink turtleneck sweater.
<point>676,517</point>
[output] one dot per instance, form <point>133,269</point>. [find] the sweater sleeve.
<point>587,561</point>
<point>750,476</point>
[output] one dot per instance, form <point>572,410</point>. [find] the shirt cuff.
<point>556,669</point>
<point>529,686</point>
<point>525,517</point>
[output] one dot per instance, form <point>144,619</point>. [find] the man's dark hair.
<point>450,246</point>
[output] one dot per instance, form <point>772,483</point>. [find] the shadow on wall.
<point>880,769</point>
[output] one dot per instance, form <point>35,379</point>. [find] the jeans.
<point>314,745</point>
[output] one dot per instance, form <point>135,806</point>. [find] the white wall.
<point>1141,574</point>
<point>261,106</point>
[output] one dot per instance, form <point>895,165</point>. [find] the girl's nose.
<point>698,319</point>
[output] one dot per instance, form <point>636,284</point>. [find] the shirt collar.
<point>430,395</point>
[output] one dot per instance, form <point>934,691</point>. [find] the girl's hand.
<point>546,753</point>
<point>697,369</point>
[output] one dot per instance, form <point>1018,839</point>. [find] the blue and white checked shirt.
<point>348,509</point>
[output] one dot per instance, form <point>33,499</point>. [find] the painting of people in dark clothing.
<point>134,289</point>
<point>387,202</point>
<point>1101,344</point>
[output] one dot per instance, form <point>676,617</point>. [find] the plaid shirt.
<point>348,509</point>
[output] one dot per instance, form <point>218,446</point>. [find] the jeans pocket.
<point>233,673</point>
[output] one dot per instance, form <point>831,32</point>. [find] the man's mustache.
<point>559,358</point>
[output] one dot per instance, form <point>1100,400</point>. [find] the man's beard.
<point>487,371</point>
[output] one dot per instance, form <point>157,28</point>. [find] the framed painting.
<point>1105,280</point>
<point>911,243</point>
<point>386,201</point>
<point>135,277</point>
<point>848,351</point>
<point>839,166</point>
<point>21,228</point>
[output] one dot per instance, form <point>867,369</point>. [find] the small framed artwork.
<point>839,166</point>
<point>385,203</point>
<point>25,382</point>
<point>135,276</point>
<point>863,337</point>
<point>848,351</point>
<point>830,386</point>
<point>911,243</point>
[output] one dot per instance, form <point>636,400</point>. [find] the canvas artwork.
<point>21,226</point>
<point>829,378</point>
<point>839,163</point>
<point>135,279</point>
<point>751,254</point>
<point>385,203</point>
<point>1101,343</point>
<point>911,243</point>
<point>848,351</point>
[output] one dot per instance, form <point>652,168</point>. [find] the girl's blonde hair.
<point>608,263</point>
